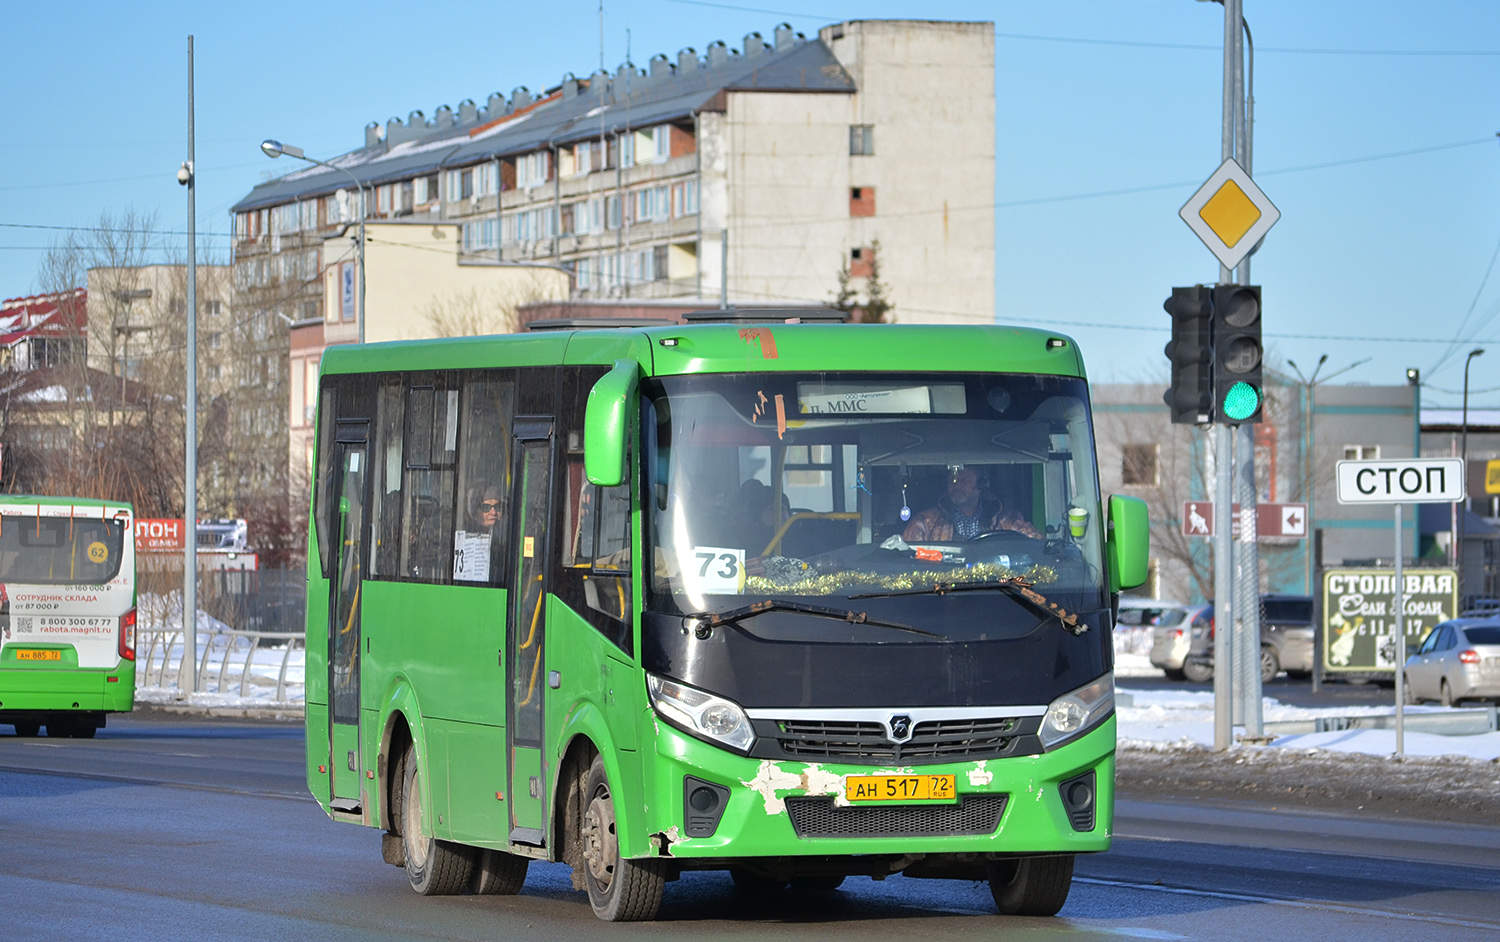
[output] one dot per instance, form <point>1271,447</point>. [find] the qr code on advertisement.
<point>23,624</point>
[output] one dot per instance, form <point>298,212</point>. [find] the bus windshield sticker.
<point>471,556</point>
<point>715,570</point>
<point>98,552</point>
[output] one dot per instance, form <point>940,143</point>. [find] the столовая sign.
<point>1359,614</point>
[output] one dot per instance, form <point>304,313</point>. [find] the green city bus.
<point>797,601</point>
<point>67,613</point>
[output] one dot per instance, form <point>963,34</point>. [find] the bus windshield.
<point>37,550</point>
<point>854,492</point>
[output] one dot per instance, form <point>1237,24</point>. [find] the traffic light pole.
<point>1233,570</point>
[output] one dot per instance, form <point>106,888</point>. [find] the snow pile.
<point>1160,720</point>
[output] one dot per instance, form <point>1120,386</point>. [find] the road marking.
<point>1296,903</point>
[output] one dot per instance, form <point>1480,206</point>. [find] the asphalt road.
<point>165,828</point>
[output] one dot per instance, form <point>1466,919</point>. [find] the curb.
<point>285,714</point>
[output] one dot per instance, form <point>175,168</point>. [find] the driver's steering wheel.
<point>1014,534</point>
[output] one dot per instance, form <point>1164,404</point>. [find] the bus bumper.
<point>30,688</point>
<point>755,822</point>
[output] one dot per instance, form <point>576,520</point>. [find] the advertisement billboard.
<point>1359,614</point>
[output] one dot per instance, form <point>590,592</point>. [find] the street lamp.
<point>1308,385</point>
<point>1458,557</point>
<point>274,149</point>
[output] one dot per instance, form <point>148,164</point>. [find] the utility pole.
<point>188,682</point>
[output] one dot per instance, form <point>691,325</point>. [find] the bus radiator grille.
<point>819,817</point>
<point>931,741</point>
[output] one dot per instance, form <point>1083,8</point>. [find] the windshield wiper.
<point>1017,588</point>
<point>713,619</point>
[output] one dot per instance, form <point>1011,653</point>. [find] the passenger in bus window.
<point>965,512</point>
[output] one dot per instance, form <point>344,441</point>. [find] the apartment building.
<point>760,171</point>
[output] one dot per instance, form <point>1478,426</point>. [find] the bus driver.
<point>964,513</point>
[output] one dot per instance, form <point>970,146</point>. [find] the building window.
<point>533,169</point>
<point>1361,452</point>
<point>862,201</point>
<point>861,262</point>
<point>861,140</point>
<point>215,340</point>
<point>213,307</point>
<point>1139,465</point>
<point>465,184</point>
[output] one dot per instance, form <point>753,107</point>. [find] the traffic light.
<point>1191,397</point>
<point>1238,388</point>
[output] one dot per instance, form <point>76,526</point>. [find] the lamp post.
<point>274,149</point>
<point>1458,556</point>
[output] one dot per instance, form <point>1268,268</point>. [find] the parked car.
<point>1171,638</point>
<point>1286,640</point>
<point>1478,607</point>
<point>1137,619</point>
<point>1458,660</point>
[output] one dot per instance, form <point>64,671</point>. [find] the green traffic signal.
<point>1240,402</point>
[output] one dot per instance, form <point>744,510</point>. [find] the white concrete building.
<point>806,152</point>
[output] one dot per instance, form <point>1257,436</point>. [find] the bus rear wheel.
<point>434,867</point>
<point>620,889</point>
<point>1031,886</point>
<point>28,730</point>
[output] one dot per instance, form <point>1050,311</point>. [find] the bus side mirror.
<point>606,423</point>
<point>1128,546</point>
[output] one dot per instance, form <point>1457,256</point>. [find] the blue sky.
<point>1372,257</point>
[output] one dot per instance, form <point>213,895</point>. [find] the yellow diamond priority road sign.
<point>1230,214</point>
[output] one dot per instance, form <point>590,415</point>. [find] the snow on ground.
<point>1184,719</point>
<point>1156,720</point>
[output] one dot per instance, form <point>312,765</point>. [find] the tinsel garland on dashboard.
<point>838,582</point>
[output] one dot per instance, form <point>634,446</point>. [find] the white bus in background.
<point>67,613</point>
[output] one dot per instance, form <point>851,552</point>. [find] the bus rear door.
<point>527,629</point>
<point>344,624</point>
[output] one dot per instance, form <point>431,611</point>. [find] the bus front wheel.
<point>1031,886</point>
<point>28,730</point>
<point>434,867</point>
<point>620,889</point>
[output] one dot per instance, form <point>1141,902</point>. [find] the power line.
<point>804,14</point>
<point>27,225</point>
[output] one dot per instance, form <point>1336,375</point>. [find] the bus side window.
<point>323,507</point>
<point>385,509</point>
<point>593,575</point>
<point>431,440</point>
<point>484,441</point>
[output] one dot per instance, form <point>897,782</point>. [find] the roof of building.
<point>1451,420</point>
<point>63,314</point>
<point>577,110</point>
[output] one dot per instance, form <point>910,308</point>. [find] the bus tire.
<point>434,867</point>
<point>1031,886</point>
<point>28,730</point>
<point>497,873</point>
<point>83,730</point>
<point>620,889</point>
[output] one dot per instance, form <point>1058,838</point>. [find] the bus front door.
<point>527,630</point>
<point>343,627</point>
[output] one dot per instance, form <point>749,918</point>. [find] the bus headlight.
<point>1072,713</point>
<point>702,713</point>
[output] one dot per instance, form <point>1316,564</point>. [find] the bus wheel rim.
<point>600,846</point>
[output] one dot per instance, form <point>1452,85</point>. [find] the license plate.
<point>899,788</point>
<point>28,655</point>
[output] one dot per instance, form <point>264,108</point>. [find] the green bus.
<point>797,601</point>
<point>67,613</point>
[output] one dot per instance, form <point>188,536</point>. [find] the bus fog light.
<point>1072,713</point>
<point>700,712</point>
